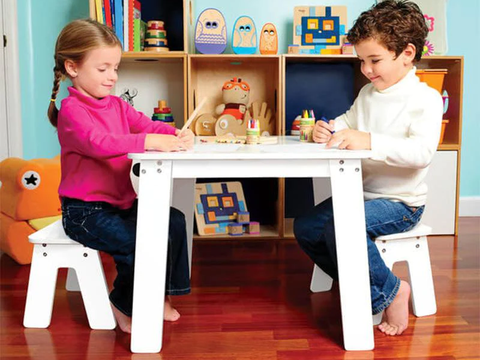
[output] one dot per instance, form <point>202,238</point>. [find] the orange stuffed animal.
<point>28,201</point>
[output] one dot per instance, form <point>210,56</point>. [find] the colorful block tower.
<point>156,37</point>
<point>163,113</point>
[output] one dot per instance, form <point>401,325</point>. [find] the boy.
<point>399,119</point>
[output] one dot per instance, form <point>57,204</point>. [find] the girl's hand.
<point>322,131</point>
<point>161,142</point>
<point>187,137</point>
<point>350,139</point>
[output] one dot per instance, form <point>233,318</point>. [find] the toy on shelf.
<point>211,32</point>
<point>244,38</point>
<point>28,202</point>
<point>268,40</point>
<point>347,48</point>
<point>220,208</point>
<point>128,95</point>
<point>318,30</point>
<point>295,130</point>
<point>205,125</point>
<point>233,112</point>
<point>163,113</point>
<point>156,37</point>
<point>264,116</point>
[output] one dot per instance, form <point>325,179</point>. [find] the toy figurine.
<point>211,32</point>
<point>244,39</point>
<point>268,40</point>
<point>233,112</point>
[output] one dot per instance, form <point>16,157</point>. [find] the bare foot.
<point>123,321</point>
<point>396,315</point>
<point>170,313</point>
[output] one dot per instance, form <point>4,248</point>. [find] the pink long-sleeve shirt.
<point>95,137</point>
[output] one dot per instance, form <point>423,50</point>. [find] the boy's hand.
<point>161,142</point>
<point>350,139</point>
<point>187,137</point>
<point>322,131</point>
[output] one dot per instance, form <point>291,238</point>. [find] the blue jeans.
<point>101,226</point>
<point>315,234</point>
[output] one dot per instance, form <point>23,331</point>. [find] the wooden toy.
<point>156,37</point>
<point>235,229</point>
<point>347,49</point>
<point>28,202</point>
<point>211,32</point>
<point>243,217</point>
<point>163,113</point>
<point>319,29</point>
<point>244,38</point>
<point>234,111</point>
<point>217,205</point>
<point>193,116</point>
<point>204,125</point>
<point>264,116</point>
<point>253,228</point>
<point>268,40</point>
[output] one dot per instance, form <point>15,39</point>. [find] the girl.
<point>96,132</point>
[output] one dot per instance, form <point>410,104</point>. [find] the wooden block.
<point>253,227</point>
<point>243,217</point>
<point>235,229</point>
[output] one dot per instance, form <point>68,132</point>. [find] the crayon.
<point>324,119</point>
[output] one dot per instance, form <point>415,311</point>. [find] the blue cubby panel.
<point>327,88</point>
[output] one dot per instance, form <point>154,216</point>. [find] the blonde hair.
<point>74,42</point>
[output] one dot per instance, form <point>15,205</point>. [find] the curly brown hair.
<point>393,23</point>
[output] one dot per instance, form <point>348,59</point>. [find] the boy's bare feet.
<point>170,313</point>
<point>396,315</point>
<point>123,321</point>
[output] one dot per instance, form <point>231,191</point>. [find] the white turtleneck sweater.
<point>404,122</point>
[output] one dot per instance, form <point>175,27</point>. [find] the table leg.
<point>151,255</point>
<point>352,256</point>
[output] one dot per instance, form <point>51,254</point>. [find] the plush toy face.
<point>236,91</point>
<point>29,188</point>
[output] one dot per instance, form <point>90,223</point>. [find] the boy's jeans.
<point>316,235</point>
<point>99,225</point>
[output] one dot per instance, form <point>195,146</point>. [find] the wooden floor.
<point>251,300</point>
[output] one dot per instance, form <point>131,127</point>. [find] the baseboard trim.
<point>469,206</point>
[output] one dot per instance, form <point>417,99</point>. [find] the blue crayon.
<point>323,118</point>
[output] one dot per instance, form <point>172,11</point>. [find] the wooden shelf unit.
<point>184,78</point>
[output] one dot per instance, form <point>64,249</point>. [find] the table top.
<point>288,147</point>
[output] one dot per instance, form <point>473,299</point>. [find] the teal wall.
<point>41,22</point>
<point>39,25</point>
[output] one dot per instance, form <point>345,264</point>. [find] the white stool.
<point>52,250</point>
<point>410,246</point>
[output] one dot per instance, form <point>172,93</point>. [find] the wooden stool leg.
<point>91,278</point>
<point>421,279</point>
<point>320,280</point>
<point>41,289</point>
